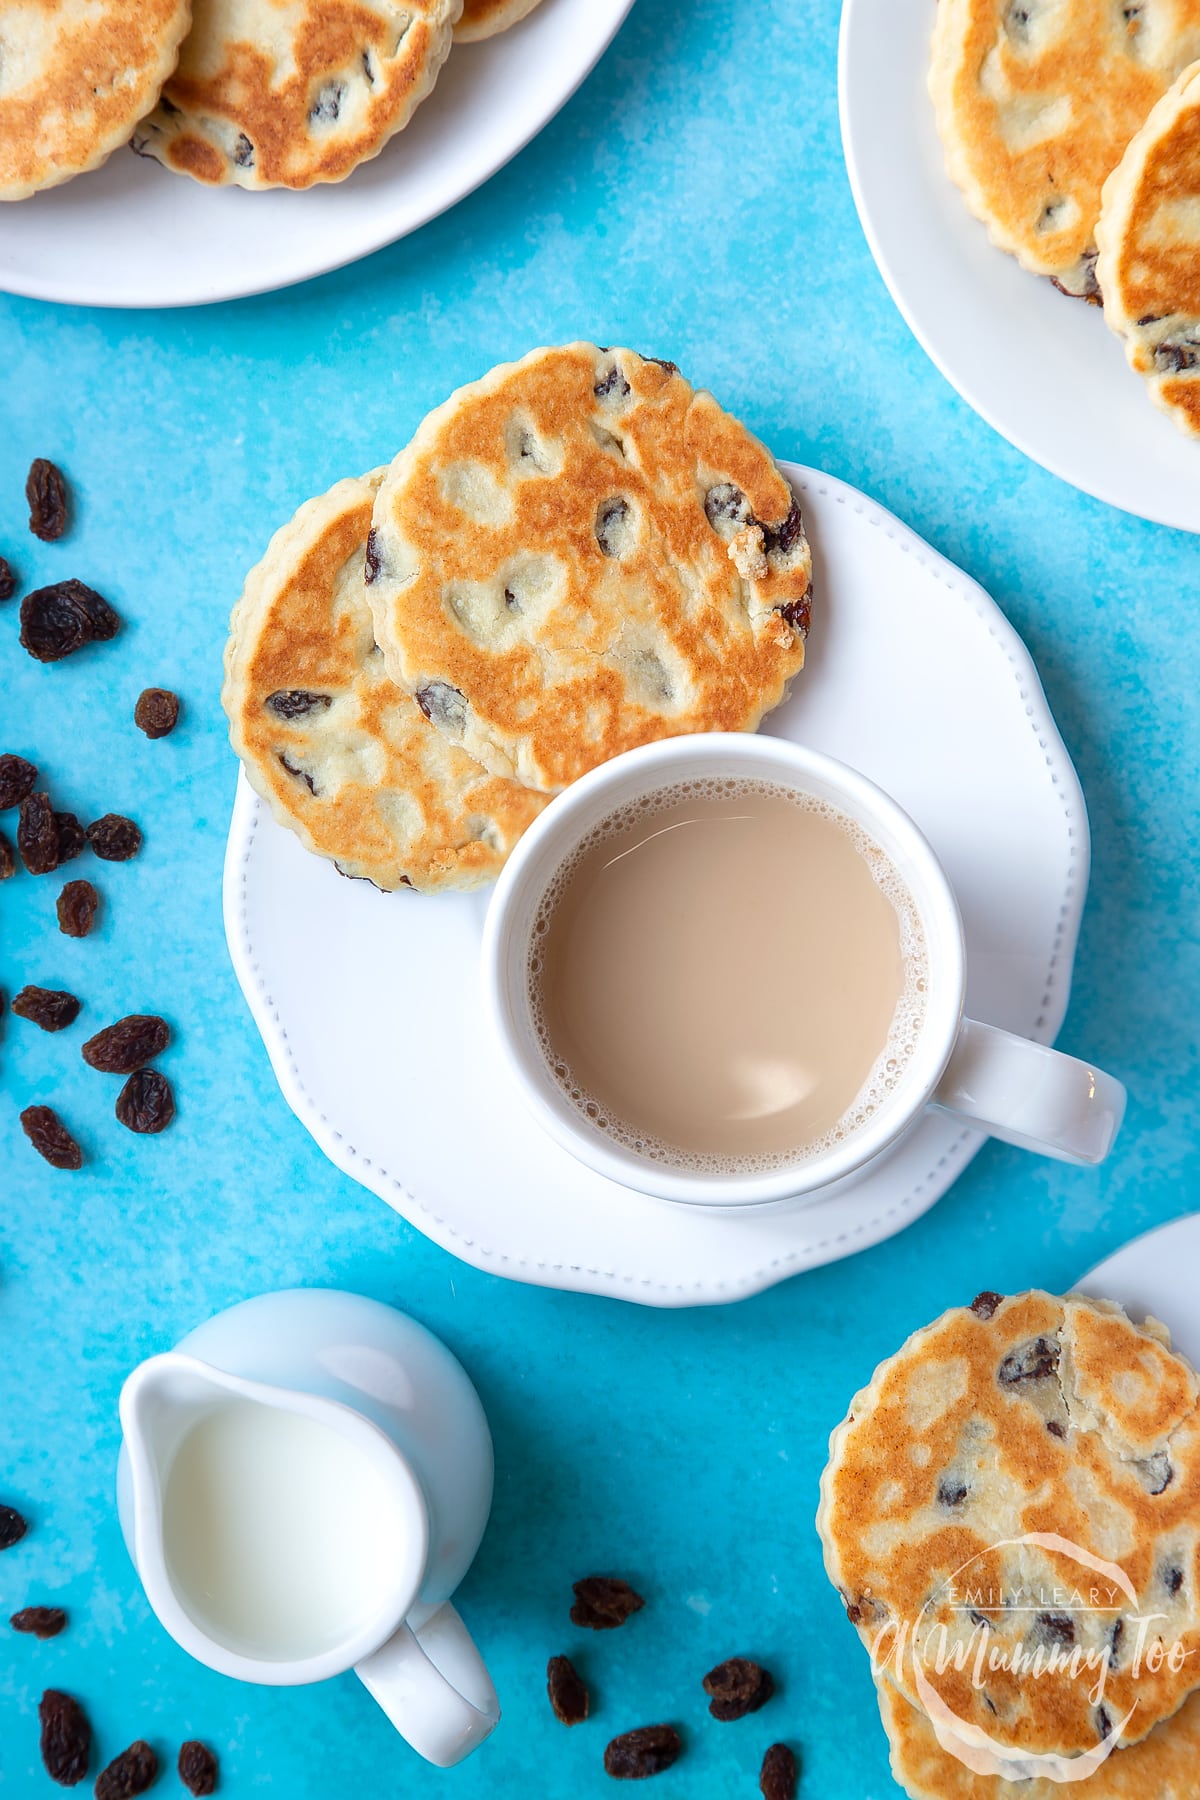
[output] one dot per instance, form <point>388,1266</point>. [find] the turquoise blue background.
<point>690,201</point>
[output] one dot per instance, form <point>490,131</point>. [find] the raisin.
<point>50,1137</point>
<point>293,703</point>
<point>779,1774</point>
<point>156,712</point>
<point>986,1305</point>
<point>129,1774</point>
<point>568,1696</point>
<point>197,1768</point>
<point>57,621</point>
<point>8,858</point>
<point>602,1602</point>
<point>66,1738</point>
<point>781,540</point>
<point>76,908</point>
<point>662,363</point>
<point>647,1751</point>
<point>146,1103</point>
<point>1055,1428</point>
<point>39,1621</point>
<point>737,1687</point>
<point>114,838</point>
<point>1054,1630</point>
<point>328,104</point>
<point>951,1492</point>
<point>612,526</point>
<point>70,834</point>
<point>8,581</point>
<point>1173,1579</point>
<point>128,1045</point>
<point>16,780</point>
<point>12,1527</point>
<point>444,706</point>
<point>37,834</point>
<point>51,1008</point>
<point>1033,1361</point>
<point>299,773</point>
<point>726,504</point>
<point>797,614</point>
<point>46,492</point>
<point>373,563</point>
<point>1156,1473</point>
<point>612,384</point>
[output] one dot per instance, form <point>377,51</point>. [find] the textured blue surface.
<point>691,201</point>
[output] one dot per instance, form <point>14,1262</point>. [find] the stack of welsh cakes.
<point>575,555</point>
<point>1073,129</point>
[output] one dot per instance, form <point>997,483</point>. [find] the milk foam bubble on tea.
<point>727,976</point>
<point>278,1532</point>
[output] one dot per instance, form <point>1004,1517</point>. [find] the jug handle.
<point>433,1686</point>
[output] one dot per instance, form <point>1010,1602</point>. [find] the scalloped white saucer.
<point>1158,1273</point>
<point>369,1003</point>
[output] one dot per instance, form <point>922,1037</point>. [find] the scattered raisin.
<point>951,1492</point>
<point>568,1695</point>
<point>647,1751</point>
<point>12,1527</point>
<point>66,1738</point>
<point>197,1768</point>
<point>612,525</point>
<point>797,614</point>
<point>737,1687</point>
<point>612,385</point>
<point>1054,1630</point>
<point>16,780</point>
<point>146,1103</point>
<point>51,1008</point>
<point>443,706</point>
<point>373,562</point>
<point>129,1774</point>
<point>46,492</point>
<point>8,581</point>
<point>1055,1429</point>
<point>779,1774</point>
<point>602,1602</point>
<point>114,838</point>
<point>70,836</point>
<point>50,1137</point>
<point>293,703</point>
<point>986,1305</point>
<point>57,621</point>
<point>39,1621</point>
<point>76,908</point>
<point>8,858</point>
<point>156,712</point>
<point>128,1045</point>
<point>37,834</point>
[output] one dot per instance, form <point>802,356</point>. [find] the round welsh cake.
<point>341,756</point>
<point>75,78</point>
<point>1035,102</point>
<point>1149,237</point>
<point>1163,1766</point>
<point>579,554</point>
<point>1024,1475</point>
<point>287,93</point>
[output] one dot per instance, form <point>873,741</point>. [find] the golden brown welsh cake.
<point>1035,103</point>
<point>75,78</point>
<point>485,18</point>
<point>1164,1766</point>
<point>341,756</point>
<point>579,554</point>
<point>287,93</point>
<point>1149,237</point>
<point>980,1497</point>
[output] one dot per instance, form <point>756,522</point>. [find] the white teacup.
<point>997,1082</point>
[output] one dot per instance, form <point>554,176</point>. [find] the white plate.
<point>133,234</point>
<point>1045,371</point>
<point>369,1004</point>
<point>1160,1274</point>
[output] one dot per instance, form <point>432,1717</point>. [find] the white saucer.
<point>1044,371</point>
<point>133,234</point>
<point>1158,1273</point>
<point>369,1003</point>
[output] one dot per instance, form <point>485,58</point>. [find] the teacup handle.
<point>1027,1094</point>
<point>433,1686</point>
